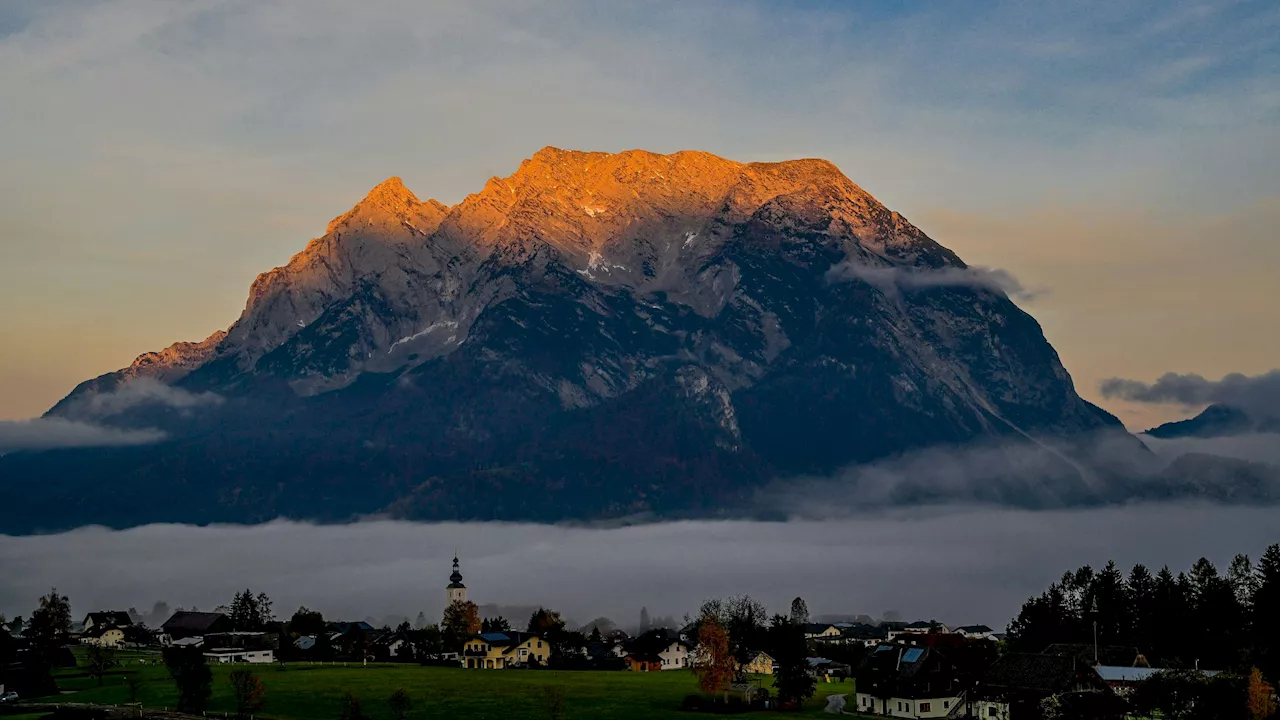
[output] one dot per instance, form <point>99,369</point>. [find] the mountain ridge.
<point>595,334</point>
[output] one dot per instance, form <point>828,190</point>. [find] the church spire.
<point>456,591</point>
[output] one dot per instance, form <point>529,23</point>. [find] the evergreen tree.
<point>191,674</point>
<point>1143,610</point>
<point>495,625</point>
<point>420,622</point>
<point>793,682</point>
<point>1266,614</point>
<point>1111,607</point>
<point>644,620</point>
<point>1243,580</point>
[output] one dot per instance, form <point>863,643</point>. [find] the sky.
<point>1119,157</point>
<point>957,565</point>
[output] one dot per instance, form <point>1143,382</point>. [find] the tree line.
<point>1199,617</point>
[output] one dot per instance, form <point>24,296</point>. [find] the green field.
<point>314,692</point>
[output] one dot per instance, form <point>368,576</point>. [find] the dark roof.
<point>1121,655</point>
<point>893,624</point>
<point>817,628</point>
<point>974,629</point>
<point>116,618</point>
<point>192,622</point>
<point>865,632</point>
<point>503,639</point>
<point>98,631</point>
<point>1028,671</point>
<point>919,624</point>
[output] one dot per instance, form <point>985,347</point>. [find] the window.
<point>924,707</point>
<point>946,704</point>
<point>991,711</point>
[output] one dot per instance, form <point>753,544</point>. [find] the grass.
<point>314,692</point>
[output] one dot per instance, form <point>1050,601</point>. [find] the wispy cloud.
<point>137,393</point>
<point>50,433</point>
<point>897,280</point>
<point>1258,394</point>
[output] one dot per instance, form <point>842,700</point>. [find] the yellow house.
<point>495,651</point>
<point>106,637</point>
<point>761,664</point>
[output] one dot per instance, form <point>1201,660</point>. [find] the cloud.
<point>1252,447</point>
<point>142,392</point>
<point>896,280</point>
<point>1257,394</point>
<point>964,565</point>
<point>50,433</point>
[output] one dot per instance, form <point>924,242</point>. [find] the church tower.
<point>456,592</point>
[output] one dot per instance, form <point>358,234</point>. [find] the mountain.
<point>596,335</point>
<point>1216,421</point>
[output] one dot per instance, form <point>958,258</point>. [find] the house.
<point>864,634</point>
<point>495,651</point>
<point>241,639</point>
<point>976,632</point>
<point>106,618</point>
<point>909,681</point>
<point>821,667</point>
<point>760,664</point>
<point>820,631</point>
<point>922,627</point>
<point>103,636</point>
<point>1123,679</point>
<point>639,662</point>
<point>1014,687</point>
<point>186,624</point>
<point>665,645</point>
<point>1119,655</point>
<point>239,655</point>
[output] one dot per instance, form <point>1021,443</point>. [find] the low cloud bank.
<point>1253,447</point>
<point>1258,394</point>
<point>895,281</point>
<point>50,433</point>
<point>139,393</point>
<point>958,565</point>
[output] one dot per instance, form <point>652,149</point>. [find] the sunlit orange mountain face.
<point>596,335</point>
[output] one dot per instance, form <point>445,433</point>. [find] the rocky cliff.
<point>595,335</point>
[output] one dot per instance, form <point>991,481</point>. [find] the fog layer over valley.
<point>956,565</point>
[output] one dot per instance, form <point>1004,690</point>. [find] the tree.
<point>100,659</point>
<point>351,708</point>
<point>248,692</point>
<point>263,606</point>
<point>420,622</point>
<point>400,703</point>
<point>793,683</point>
<point>601,625</point>
<point>799,611</point>
<point>461,621</point>
<point>713,664</point>
<point>644,620</point>
<point>1261,697</point>
<point>495,625</point>
<point>191,674</point>
<point>47,632</point>
<point>251,612</point>
<point>544,622</point>
<point>1266,621</point>
<point>306,622</point>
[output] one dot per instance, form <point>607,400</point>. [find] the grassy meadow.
<point>315,692</point>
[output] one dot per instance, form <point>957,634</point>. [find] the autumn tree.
<point>1261,696</point>
<point>461,621</point>
<point>248,692</point>
<point>713,664</point>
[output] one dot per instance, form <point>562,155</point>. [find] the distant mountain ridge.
<point>1216,421</point>
<point>596,335</point>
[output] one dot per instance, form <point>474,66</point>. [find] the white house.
<point>821,631</point>
<point>103,636</point>
<point>976,632</point>
<point>907,707</point>
<point>675,656</point>
<point>237,655</point>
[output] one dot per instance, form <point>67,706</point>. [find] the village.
<point>739,658</point>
